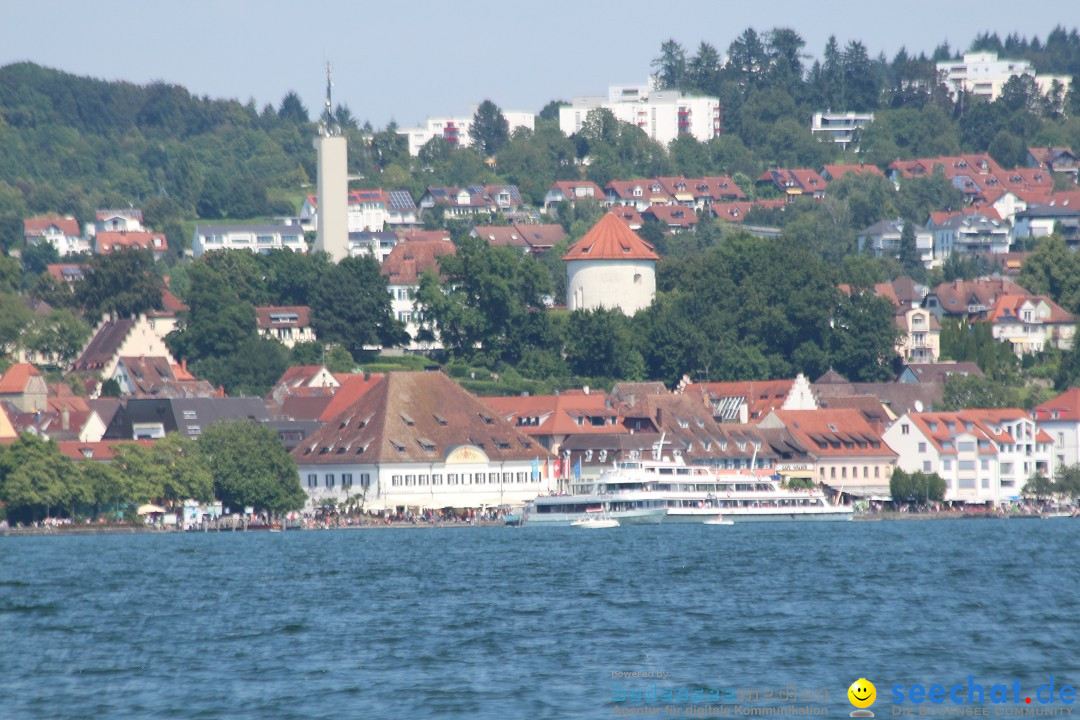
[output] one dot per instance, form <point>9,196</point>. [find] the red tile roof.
<point>535,238</point>
<point>628,215</point>
<point>843,433</point>
<point>736,211</point>
<point>1066,406</point>
<point>353,387</point>
<point>103,450</point>
<point>36,226</point>
<point>611,239</point>
<point>835,172</point>
<point>110,241</point>
<point>569,189</point>
<point>409,417</point>
<point>569,413</point>
<point>674,216</point>
<point>411,259</point>
<point>652,191</point>
<point>268,317</point>
<point>16,377</point>
<point>760,396</point>
<point>985,424</point>
<point>721,187</point>
<point>1008,309</point>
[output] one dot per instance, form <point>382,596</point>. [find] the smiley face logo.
<point>862,693</point>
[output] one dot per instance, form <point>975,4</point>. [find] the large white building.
<point>368,210</point>
<point>418,440</point>
<point>256,238</point>
<point>454,129</point>
<point>983,74</point>
<point>610,267</point>
<point>984,456</point>
<point>664,115</point>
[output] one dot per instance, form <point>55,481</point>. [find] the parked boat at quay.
<point>685,494</point>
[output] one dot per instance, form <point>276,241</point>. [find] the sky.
<point>409,61</point>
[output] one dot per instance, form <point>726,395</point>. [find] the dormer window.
<point>439,419</point>
<point>485,419</point>
<point>407,420</point>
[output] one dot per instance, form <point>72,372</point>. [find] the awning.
<point>149,510</point>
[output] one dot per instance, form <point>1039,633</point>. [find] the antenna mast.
<point>328,115</point>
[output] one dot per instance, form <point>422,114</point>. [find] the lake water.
<point>531,622</point>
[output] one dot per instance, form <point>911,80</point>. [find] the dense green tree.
<point>600,343</point>
<point>182,470</point>
<point>1053,270</point>
<point>14,317</point>
<point>61,335</point>
<point>670,69</point>
<point>123,283</point>
<point>487,308</point>
<point>352,307</point>
<point>35,478</point>
<point>910,258</point>
<point>863,341</point>
<point>250,467</point>
<point>489,130</point>
<point>917,488</point>
<point>973,391</point>
<point>218,320</point>
<point>292,109</point>
<point>250,369</point>
<point>37,258</point>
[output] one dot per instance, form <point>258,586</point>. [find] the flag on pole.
<point>577,469</point>
<point>535,468</point>
<point>557,467</point>
<point>547,473</point>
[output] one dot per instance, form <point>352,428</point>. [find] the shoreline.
<point>135,530</point>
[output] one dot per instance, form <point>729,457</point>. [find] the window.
<point>190,415</point>
<point>452,479</point>
<point>965,446</point>
<point>329,480</point>
<point>436,479</point>
<point>312,480</point>
<point>424,480</point>
<point>346,480</point>
<point>926,466</point>
<point>946,464</point>
<point>985,464</point>
<point>905,429</point>
<point>493,478</point>
<point>395,480</point>
<point>194,430</point>
<point>922,447</point>
<point>1061,440</point>
<point>965,465</point>
<point>365,480</point>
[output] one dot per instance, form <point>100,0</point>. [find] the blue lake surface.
<point>527,622</point>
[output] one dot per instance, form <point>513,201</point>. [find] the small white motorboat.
<point>719,520</point>
<point>596,520</point>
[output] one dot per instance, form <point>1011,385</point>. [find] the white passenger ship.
<point>661,490</point>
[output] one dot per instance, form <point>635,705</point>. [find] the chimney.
<point>585,389</point>
<point>65,419</point>
<point>183,365</point>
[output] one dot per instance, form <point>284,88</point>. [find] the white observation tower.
<point>333,185</point>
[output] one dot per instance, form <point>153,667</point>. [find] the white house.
<point>255,238</point>
<point>842,127</point>
<point>883,239</point>
<point>368,210</point>
<point>1060,419</point>
<point>664,115</point>
<point>610,267</point>
<point>1031,323</point>
<point>455,129</point>
<point>287,324</point>
<point>402,268</point>
<point>969,233</point>
<point>984,75</point>
<point>418,440</point>
<point>60,232</point>
<point>984,456</point>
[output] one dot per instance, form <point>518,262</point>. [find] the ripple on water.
<point>495,622</point>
